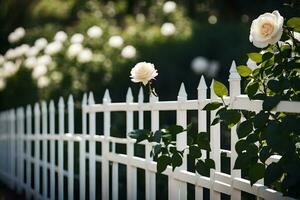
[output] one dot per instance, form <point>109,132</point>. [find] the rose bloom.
<point>60,36</point>
<point>85,56</point>
<point>38,71</point>
<point>94,32</point>
<point>74,50</point>
<point>167,29</point>
<point>43,82</point>
<point>53,48</point>
<point>266,29</point>
<point>143,72</point>
<point>128,52</point>
<point>77,38</point>
<point>40,43</point>
<point>32,51</point>
<point>30,62</point>
<point>169,7</point>
<point>199,65</point>
<point>115,41</point>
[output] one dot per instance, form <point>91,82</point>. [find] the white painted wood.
<point>131,170</point>
<point>235,90</point>
<point>61,130</point>
<point>37,132</point>
<point>28,150</point>
<point>202,121</point>
<point>18,152</point>
<point>92,150</point>
<point>45,148</point>
<point>52,149</point>
<point>105,161</point>
<point>71,148</point>
<point>12,148</point>
<point>22,154</point>
<point>215,139</point>
<point>82,152</point>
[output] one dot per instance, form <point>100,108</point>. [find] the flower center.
<point>267,29</point>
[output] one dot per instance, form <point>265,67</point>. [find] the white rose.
<point>32,51</point>
<point>128,52</point>
<point>94,32</point>
<point>85,56</point>
<point>40,43</point>
<point>77,38</point>
<point>53,48</point>
<point>60,36</point>
<point>43,82</point>
<point>169,7</point>
<point>44,60</point>
<point>143,72</point>
<point>199,65</point>
<point>74,50</point>
<point>115,41</point>
<point>30,62</point>
<point>266,29</point>
<point>38,71</point>
<point>9,69</point>
<point>167,29</point>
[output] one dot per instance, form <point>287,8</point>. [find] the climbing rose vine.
<point>261,134</point>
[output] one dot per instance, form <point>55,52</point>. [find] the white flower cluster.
<point>16,35</point>
<point>201,65</point>
<point>168,28</point>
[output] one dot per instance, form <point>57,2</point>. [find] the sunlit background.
<point>55,48</point>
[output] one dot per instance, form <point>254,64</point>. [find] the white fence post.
<point>45,149</point>
<point>28,150</point>
<point>235,90</point>
<point>70,148</point>
<point>202,94</point>
<point>18,151</point>
<point>82,151</point>
<point>215,144</point>
<point>52,149</point>
<point>151,176</point>
<point>105,151</point>
<point>131,170</point>
<point>12,148</point>
<point>61,130</point>
<point>22,154</point>
<point>92,149</point>
<point>37,132</point>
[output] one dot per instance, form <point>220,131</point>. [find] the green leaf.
<point>252,88</point>
<point>270,102</point>
<point>244,128</point>
<point>195,151</point>
<point>210,163</point>
<point>256,57</point>
<point>139,135</point>
<point>274,85</point>
<point>264,153</point>
<point>260,119</point>
<point>202,168</point>
<point>294,23</point>
<point>162,162</point>
<point>157,149</point>
<point>240,146</point>
<point>267,56</point>
<point>212,106</point>
<point>215,121</point>
<point>244,70</point>
<point>175,129</point>
<point>256,172</point>
<point>220,89</point>
<point>202,141</point>
<point>176,160</point>
<point>157,136</point>
<point>231,117</point>
<point>273,172</point>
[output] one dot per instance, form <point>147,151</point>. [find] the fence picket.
<point>92,149</point>
<point>52,149</point>
<point>37,131</point>
<point>131,170</point>
<point>28,150</point>
<point>105,161</point>
<point>45,148</point>
<point>82,152</point>
<point>202,94</point>
<point>70,148</point>
<point>61,130</point>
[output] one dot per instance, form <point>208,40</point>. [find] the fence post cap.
<point>182,92</point>
<point>70,100</point>
<point>129,97</point>
<point>141,95</point>
<point>91,100</point>
<point>61,102</point>
<point>51,106</point>
<point>84,99</point>
<point>106,97</point>
<point>234,75</point>
<point>36,108</point>
<point>202,84</point>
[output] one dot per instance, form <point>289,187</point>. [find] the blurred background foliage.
<point>213,31</point>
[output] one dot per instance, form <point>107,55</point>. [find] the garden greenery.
<point>261,135</point>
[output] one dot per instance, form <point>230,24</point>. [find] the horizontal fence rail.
<point>38,155</point>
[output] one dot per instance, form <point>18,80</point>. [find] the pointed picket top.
<point>141,95</point>
<point>70,100</point>
<point>61,103</point>
<point>202,84</point>
<point>129,97</point>
<point>212,92</point>
<point>37,109</point>
<point>106,97</point>
<point>28,111</point>
<point>51,106</point>
<point>84,100</point>
<point>44,107</point>
<point>91,100</point>
<point>233,72</point>
<point>21,112</point>
<point>182,92</point>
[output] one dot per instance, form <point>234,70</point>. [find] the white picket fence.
<point>17,137</point>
